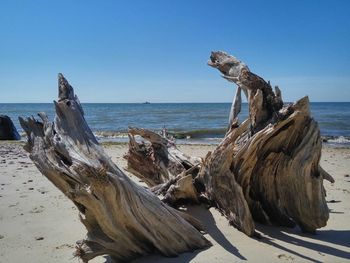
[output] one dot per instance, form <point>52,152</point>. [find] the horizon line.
<point>148,102</point>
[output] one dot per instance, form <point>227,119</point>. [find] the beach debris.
<point>266,169</point>
<point>263,103</point>
<point>69,155</point>
<point>285,257</point>
<point>276,153</point>
<point>175,177</point>
<point>8,130</point>
<point>64,246</point>
<point>157,156</point>
<point>37,210</point>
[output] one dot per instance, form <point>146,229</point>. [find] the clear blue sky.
<point>135,51</point>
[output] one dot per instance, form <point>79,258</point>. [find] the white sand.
<point>39,224</point>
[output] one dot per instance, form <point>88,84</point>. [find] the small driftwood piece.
<point>155,159</point>
<point>162,166</point>
<point>123,219</point>
<point>266,168</point>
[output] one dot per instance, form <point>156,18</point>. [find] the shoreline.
<point>325,144</point>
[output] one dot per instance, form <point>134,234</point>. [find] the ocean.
<point>189,122</point>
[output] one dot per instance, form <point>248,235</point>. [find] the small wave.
<point>110,134</point>
<point>336,141</point>
<point>340,139</point>
<point>191,134</point>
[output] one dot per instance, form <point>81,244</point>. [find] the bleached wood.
<point>122,218</point>
<point>156,159</point>
<point>266,168</point>
<point>276,160</point>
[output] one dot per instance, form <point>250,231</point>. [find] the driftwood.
<point>263,103</point>
<point>157,162</point>
<point>162,166</point>
<point>266,168</point>
<point>122,218</point>
<point>216,185</point>
<point>278,167</point>
<point>220,184</point>
<point>8,130</point>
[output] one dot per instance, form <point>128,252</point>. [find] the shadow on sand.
<point>290,235</point>
<point>205,216</point>
<point>207,219</point>
<point>272,234</point>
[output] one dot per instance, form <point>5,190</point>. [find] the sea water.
<point>189,122</point>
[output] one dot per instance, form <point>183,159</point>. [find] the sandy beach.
<point>39,224</point>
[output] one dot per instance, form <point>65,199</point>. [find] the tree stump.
<point>277,161</point>
<point>122,218</point>
<point>266,168</point>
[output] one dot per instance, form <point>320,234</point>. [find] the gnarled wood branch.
<point>156,159</point>
<point>264,104</point>
<point>122,218</point>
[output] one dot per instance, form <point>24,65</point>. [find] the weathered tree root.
<point>278,169</point>
<point>157,160</point>
<point>123,219</point>
<point>266,168</point>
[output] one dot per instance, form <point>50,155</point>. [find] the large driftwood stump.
<point>123,219</point>
<point>277,161</point>
<point>266,168</point>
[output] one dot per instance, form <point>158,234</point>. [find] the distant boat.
<point>146,102</point>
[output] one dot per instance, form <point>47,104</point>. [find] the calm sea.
<point>197,121</point>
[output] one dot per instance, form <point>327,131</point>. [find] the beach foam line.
<point>177,134</point>
<point>207,136</point>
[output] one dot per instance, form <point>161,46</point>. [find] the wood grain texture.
<point>122,218</point>
<point>266,168</point>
